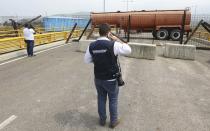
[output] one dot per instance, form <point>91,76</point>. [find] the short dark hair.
<point>26,25</point>
<point>104,29</point>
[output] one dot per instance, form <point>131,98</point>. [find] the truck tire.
<point>162,34</point>
<point>154,34</point>
<point>175,34</point>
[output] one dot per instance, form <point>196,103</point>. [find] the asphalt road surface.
<point>54,91</point>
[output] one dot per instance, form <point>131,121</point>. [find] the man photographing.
<point>28,33</point>
<point>103,53</point>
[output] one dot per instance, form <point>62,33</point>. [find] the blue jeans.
<point>111,89</point>
<point>30,47</point>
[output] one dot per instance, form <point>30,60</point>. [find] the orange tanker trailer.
<point>163,24</point>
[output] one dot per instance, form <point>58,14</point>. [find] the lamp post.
<point>195,9</point>
<point>127,3</point>
<point>104,6</point>
<point>45,13</point>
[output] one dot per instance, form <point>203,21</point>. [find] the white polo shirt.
<point>119,49</point>
<point>28,34</point>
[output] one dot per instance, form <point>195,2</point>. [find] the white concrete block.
<point>178,51</point>
<point>82,45</point>
<point>199,40</point>
<point>142,51</point>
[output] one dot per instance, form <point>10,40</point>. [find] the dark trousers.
<point>30,47</point>
<point>111,89</point>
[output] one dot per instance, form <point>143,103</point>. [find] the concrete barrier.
<point>201,41</point>
<point>82,45</point>
<point>143,51</point>
<point>178,51</point>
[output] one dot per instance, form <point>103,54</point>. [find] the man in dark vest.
<point>103,53</point>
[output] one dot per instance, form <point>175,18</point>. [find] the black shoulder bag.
<point>119,73</point>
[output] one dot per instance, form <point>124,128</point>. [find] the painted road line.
<point>7,121</point>
<point>13,60</point>
<point>34,53</point>
<point>49,49</point>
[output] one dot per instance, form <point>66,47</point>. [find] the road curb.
<point>16,54</point>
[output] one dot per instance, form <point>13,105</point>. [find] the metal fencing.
<point>139,29</point>
<point>200,38</point>
<point>142,32</point>
<point>17,43</point>
<point>11,33</point>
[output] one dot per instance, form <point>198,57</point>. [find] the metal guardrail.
<point>17,43</point>
<point>203,35</point>
<point>14,33</point>
<point>11,44</point>
<point>19,33</point>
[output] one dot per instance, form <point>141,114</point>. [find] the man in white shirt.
<point>28,33</point>
<point>103,53</point>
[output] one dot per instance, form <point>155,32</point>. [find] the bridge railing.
<point>17,43</point>
<point>19,33</point>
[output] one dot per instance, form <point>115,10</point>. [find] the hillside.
<point>77,14</point>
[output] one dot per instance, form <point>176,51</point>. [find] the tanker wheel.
<point>175,34</point>
<point>154,34</point>
<point>162,34</point>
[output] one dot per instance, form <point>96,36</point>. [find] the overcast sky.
<point>50,7</point>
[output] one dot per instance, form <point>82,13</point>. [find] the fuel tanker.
<point>163,24</point>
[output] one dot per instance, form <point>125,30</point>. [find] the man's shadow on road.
<point>76,119</point>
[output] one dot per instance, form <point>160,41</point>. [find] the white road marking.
<point>13,60</point>
<point>7,121</point>
<point>50,49</point>
<point>7,62</point>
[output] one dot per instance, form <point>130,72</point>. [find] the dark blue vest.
<point>105,62</point>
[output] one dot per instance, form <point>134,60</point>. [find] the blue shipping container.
<point>63,23</point>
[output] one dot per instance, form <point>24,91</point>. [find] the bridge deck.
<point>54,91</point>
